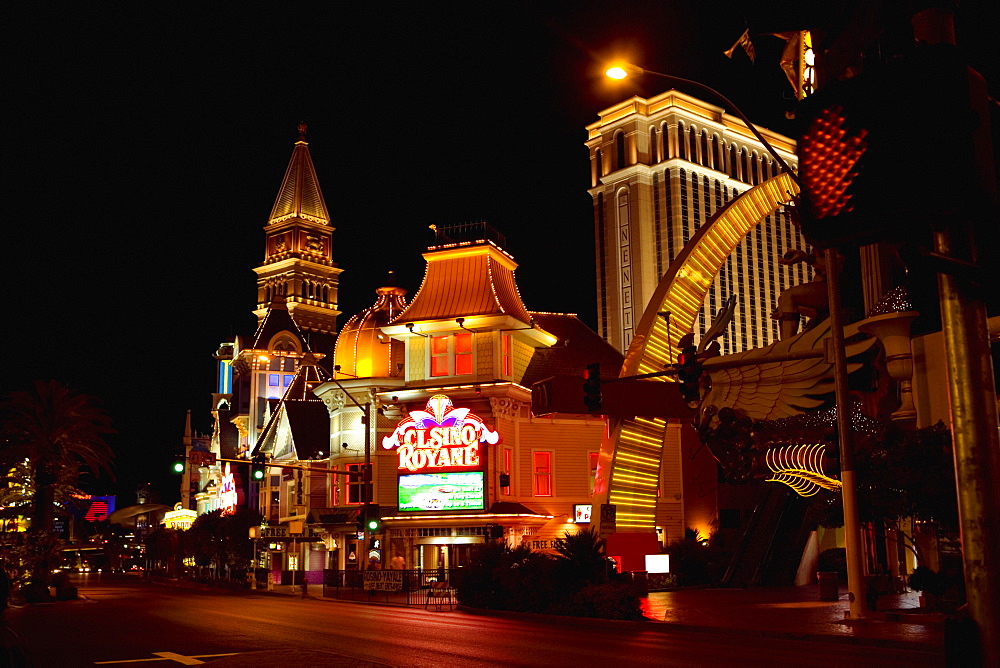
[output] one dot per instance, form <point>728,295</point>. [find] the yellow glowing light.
<point>617,72</point>
<point>263,358</point>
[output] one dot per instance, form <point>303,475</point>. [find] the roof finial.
<point>302,130</point>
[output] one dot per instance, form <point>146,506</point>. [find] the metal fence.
<point>397,587</point>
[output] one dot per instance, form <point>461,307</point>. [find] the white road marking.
<point>171,656</point>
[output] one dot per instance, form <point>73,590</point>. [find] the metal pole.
<point>852,525</point>
<point>975,447</point>
<point>366,479</point>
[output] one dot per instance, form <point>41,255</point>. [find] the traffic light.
<point>689,370</point>
<point>865,146</point>
<point>592,387</point>
<point>257,468</point>
<point>373,519</point>
<point>178,465</point>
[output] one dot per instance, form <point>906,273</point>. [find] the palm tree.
<point>582,556</point>
<point>54,432</point>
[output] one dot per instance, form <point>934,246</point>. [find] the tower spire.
<point>298,252</point>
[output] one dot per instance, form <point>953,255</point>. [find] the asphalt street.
<point>128,623</point>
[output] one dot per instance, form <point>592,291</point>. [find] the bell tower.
<point>298,254</point>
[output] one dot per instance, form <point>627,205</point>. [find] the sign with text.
<point>609,519</point>
<point>441,438</point>
<point>581,512</point>
<point>383,580</point>
<point>441,491</point>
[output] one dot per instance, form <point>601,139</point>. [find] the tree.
<point>55,432</point>
<point>222,540</point>
<point>581,556</point>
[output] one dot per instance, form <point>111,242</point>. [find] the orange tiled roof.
<point>466,280</point>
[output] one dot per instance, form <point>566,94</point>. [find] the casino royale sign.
<point>440,438</point>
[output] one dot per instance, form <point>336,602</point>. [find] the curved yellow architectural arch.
<point>629,464</point>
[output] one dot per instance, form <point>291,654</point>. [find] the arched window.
<point>755,165</point>
<point>598,166</point>
<point>681,142</point>
<point>719,153</point>
<point>665,152</point>
<point>706,156</point>
<point>692,145</point>
<point>744,166</point>
<point>620,150</point>
<point>653,153</point>
<point>732,167</point>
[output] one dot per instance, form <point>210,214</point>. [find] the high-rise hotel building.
<point>660,168</point>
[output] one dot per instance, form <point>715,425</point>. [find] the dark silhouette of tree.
<point>222,540</point>
<point>581,557</point>
<point>51,434</point>
<point>55,432</point>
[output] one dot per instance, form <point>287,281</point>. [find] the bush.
<point>573,584</point>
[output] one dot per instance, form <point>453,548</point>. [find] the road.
<point>128,623</point>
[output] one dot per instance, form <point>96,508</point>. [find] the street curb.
<point>668,627</point>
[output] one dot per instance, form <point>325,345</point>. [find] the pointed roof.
<point>302,414</point>
<point>466,279</point>
<point>276,320</point>
<point>300,195</point>
<point>578,346</point>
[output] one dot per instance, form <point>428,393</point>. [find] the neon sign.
<point>441,437</point>
<point>227,493</point>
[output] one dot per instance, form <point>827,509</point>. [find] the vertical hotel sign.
<point>441,438</point>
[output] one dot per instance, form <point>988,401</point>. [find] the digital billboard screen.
<point>441,491</point>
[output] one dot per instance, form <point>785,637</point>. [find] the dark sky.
<point>148,142</point>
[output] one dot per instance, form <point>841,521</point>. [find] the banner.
<point>383,580</point>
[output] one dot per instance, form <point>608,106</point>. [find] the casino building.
<point>660,169</point>
<point>433,392</point>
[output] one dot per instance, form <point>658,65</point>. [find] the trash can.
<point>828,586</point>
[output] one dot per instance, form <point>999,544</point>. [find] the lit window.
<point>272,380</point>
<point>451,355</point>
<point>593,456</point>
<point>505,363</point>
<point>463,354</point>
<point>542,473</point>
<point>287,380</point>
<point>508,461</point>
<point>355,484</point>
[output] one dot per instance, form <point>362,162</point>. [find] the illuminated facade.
<point>660,169</point>
<point>456,454</point>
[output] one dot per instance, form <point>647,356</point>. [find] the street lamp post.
<point>852,524</point>
<point>366,477</point>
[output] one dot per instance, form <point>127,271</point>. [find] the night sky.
<point>148,142</point>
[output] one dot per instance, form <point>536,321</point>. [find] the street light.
<point>367,474</point>
<point>852,524</point>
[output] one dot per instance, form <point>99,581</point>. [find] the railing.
<point>411,587</point>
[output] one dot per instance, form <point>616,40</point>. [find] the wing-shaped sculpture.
<point>761,389</point>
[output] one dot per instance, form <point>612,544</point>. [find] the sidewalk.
<point>797,612</point>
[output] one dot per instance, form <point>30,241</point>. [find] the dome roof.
<point>362,350</point>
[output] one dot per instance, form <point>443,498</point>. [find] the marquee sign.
<point>441,438</point>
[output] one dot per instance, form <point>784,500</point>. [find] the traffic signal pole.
<point>845,438</point>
